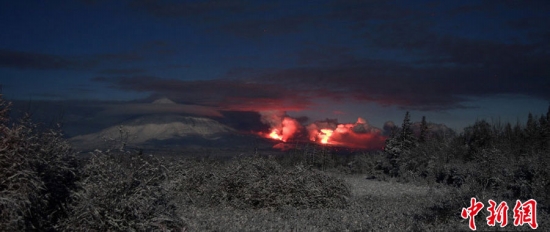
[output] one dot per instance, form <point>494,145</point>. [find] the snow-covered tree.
<point>423,130</point>
<point>400,144</point>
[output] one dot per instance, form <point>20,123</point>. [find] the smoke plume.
<point>358,135</point>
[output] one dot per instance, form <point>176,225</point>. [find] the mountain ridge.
<point>153,128</point>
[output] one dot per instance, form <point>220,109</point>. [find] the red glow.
<point>290,127</point>
<point>353,135</point>
<point>284,146</point>
<point>281,129</point>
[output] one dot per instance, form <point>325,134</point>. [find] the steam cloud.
<point>354,135</point>
<point>282,126</point>
<point>359,135</point>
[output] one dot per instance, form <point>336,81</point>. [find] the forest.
<point>420,181</point>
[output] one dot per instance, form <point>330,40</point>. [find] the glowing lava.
<point>353,135</point>
<point>325,135</point>
<point>275,135</point>
<point>282,128</point>
<point>359,135</point>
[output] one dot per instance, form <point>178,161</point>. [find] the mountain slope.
<point>153,128</point>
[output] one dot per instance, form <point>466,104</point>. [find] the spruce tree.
<point>478,137</point>
<point>508,133</point>
<point>547,130</point>
<point>531,133</point>
<point>544,133</point>
<point>531,128</point>
<point>423,130</point>
<point>407,135</point>
<point>393,150</point>
<point>400,145</point>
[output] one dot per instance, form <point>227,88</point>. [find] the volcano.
<point>157,129</point>
<point>164,101</point>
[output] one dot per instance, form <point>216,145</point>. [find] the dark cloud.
<point>474,69</point>
<point>259,27</point>
<point>320,54</point>
<point>243,18</point>
<point>420,66</point>
<point>248,121</point>
<point>42,61</point>
<point>131,71</point>
<point>48,95</point>
<point>76,117</point>
<point>422,56</point>
<point>224,94</point>
<point>387,83</point>
<point>88,116</point>
<point>116,57</point>
<point>361,10</point>
<point>209,8</point>
<point>494,7</point>
<point>158,48</point>
<point>456,68</point>
<point>93,2</point>
<point>148,108</point>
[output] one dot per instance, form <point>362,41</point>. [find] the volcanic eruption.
<point>282,127</point>
<point>358,135</point>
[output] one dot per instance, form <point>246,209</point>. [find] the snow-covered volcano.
<point>154,128</point>
<point>164,101</point>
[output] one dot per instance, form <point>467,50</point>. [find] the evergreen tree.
<point>478,137</point>
<point>423,130</point>
<point>400,144</point>
<point>531,128</point>
<point>507,139</point>
<point>531,133</point>
<point>519,138</point>
<point>508,133</point>
<point>547,130</point>
<point>407,136</point>
<point>544,133</point>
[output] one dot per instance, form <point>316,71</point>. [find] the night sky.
<point>452,61</point>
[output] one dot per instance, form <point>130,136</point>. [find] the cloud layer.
<point>253,56</point>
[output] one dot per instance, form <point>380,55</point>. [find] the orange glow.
<point>353,135</point>
<point>290,128</point>
<point>282,128</point>
<point>325,135</point>
<point>359,135</point>
<point>275,135</point>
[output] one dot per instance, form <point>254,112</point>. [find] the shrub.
<point>122,192</point>
<point>260,182</point>
<point>37,173</point>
